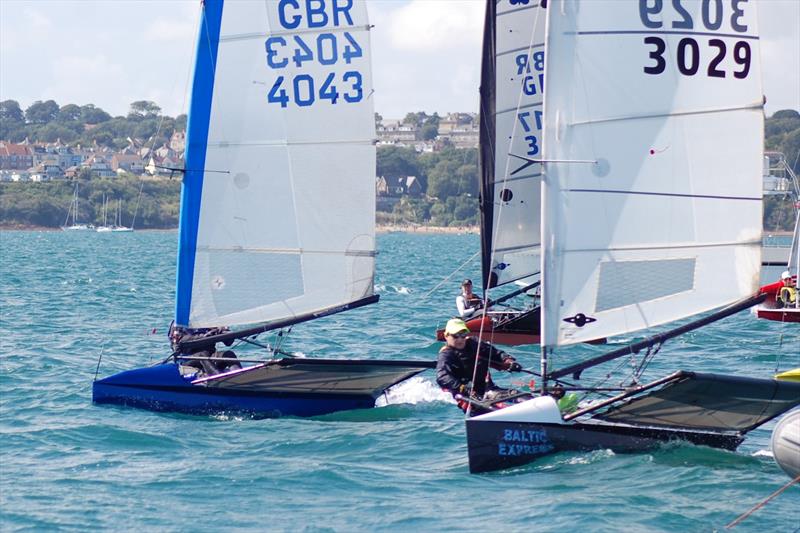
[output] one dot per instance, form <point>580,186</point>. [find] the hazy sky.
<point>426,53</point>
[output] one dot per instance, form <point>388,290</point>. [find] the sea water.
<point>69,300</point>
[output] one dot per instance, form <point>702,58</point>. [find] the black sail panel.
<point>487,139</point>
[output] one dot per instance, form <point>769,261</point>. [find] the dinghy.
<point>646,219</point>
<point>779,305</point>
<point>277,214</point>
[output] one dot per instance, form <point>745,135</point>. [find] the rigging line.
<point>465,263</point>
<point>763,502</point>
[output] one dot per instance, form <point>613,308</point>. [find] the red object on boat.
<point>770,310</point>
<point>510,329</point>
<point>779,315</point>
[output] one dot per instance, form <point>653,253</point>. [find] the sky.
<point>426,53</point>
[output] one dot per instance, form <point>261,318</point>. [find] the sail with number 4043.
<point>512,81</point>
<point>652,205</point>
<point>277,211</point>
<point>277,223</point>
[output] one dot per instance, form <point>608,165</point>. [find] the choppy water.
<point>66,464</point>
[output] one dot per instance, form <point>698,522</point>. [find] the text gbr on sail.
<point>317,13</point>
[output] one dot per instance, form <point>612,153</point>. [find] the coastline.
<point>380,228</point>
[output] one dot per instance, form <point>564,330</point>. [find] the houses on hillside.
<point>461,130</point>
<point>37,162</point>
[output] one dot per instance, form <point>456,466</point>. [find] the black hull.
<point>496,445</point>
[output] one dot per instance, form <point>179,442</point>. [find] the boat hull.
<point>285,388</point>
<point>778,315</point>
<point>497,445</point>
<point>510,329</point>
<point>786,444</point>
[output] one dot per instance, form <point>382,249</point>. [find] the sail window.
<point>237,275</point>
<point>624,283</point>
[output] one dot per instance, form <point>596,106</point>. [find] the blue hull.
<point>307,388</point>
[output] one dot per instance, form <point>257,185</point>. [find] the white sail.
<point>666,99</point>
<point>512,186</point>
<point>277,214</point>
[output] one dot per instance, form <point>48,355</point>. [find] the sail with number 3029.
<point>277,214</point>
<point>651,213</point>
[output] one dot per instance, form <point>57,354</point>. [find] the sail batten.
<point>288,229</point>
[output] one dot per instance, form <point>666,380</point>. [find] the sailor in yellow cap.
<point>464,357</point>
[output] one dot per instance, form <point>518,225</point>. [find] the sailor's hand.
<point>510,364</point>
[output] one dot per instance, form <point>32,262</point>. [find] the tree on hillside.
<point>93,115</point>
<point>417,118</point>
<point>396,162</point>
<point>786,113</point>
<point>143,108</point>
<point>180,122</point>
<point>53,132</point>
<point>429,132</point>
<point>12,121</point>
<point>10,112</point>
<point>42,112</point>
<point>69,113</point>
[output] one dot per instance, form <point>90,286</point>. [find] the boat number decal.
<point>516,442</point>
<point>532,82</point>
<point>716,16</point>
<point>580,320</point>
<point>318,85</point>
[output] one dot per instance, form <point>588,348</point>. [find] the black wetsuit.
<point>456,367</point>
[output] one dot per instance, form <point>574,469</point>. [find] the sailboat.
<point>277,220</point>
<point>778,306</point>
<point>510,125</point>
<point>105,228</point>
<point>651,213</point>
<point>118,227</point>
<point>73,210</point>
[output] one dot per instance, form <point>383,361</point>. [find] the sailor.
<point>787,295</point>
<point>468,303</point>
<point>457,363</point>
<point>204,352</point>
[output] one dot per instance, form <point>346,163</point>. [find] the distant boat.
<point>105,227</point>
<point>277,220</point>
<point>73,210</point>
<point>778,306</point>
<point>116,226</point>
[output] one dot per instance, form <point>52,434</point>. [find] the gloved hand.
<point>464,390</point>
<point>510,364</point>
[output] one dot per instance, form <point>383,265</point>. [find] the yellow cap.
<point>455,325</point>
